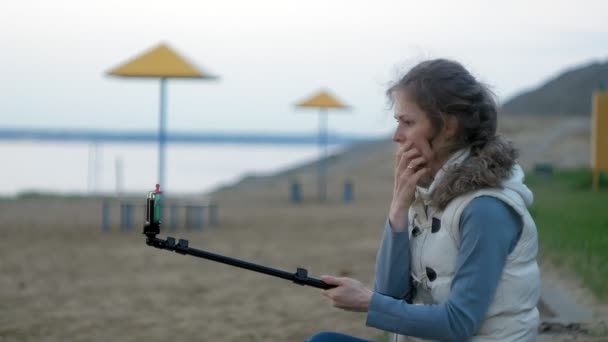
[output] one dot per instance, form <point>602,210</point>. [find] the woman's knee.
<point>323,336</point>
<point>328,336</point>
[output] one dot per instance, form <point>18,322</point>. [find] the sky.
<point>271,54</point>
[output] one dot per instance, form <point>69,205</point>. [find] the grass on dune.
<point>572,223</point>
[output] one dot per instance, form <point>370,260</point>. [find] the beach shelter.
<point>160,62</point>
<point>323,100</point>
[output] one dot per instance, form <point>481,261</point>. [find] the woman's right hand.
<point>409,167</point>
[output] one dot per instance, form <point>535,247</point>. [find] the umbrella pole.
<point>322,165</point>
<point>162,133</point>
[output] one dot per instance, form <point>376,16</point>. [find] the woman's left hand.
<point>349,294</point>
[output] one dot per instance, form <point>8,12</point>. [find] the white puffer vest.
<point>434,244</point>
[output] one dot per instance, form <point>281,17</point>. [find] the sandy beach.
<point>62,278</point>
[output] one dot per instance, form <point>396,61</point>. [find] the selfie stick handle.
<point>152,228</point>
<point>300,277</point>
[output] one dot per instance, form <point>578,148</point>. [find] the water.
<point>108,168</point>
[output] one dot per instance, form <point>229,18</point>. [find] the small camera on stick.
<point>152,229</point>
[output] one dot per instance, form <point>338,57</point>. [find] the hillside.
<point>568,93</point>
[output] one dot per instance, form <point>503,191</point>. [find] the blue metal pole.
<point>188,217</point>
<point>322,167</point>
<point>129,214</point>
<point>347,195</point>
<point>162,134</point>
<point>105,216</point>
<point>213,214</point>
<point>126,216</point>
<point>199,217</point>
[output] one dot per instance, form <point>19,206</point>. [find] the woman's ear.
<point>450,128</point>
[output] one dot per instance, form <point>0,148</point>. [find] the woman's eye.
<point>404,122</point>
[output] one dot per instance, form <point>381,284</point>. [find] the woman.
<point>457,260</point>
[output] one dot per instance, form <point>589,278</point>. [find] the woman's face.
<point>413,125</point>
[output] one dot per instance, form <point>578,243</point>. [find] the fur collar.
<point>470,170</point>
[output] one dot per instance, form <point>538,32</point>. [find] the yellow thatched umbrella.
<point>323,100</point>
<point>160,62</point>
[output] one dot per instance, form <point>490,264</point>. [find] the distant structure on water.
<point>101,136</point>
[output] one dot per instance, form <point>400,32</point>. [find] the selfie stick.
<point>152,228</point>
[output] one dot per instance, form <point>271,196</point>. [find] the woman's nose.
<point>399,136</point>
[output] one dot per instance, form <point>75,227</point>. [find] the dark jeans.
<point>334,337</point>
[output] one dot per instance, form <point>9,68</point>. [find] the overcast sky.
<point>270,54</point>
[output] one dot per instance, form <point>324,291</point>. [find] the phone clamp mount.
<point>152,229</point>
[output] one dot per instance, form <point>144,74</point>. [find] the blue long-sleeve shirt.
<point>489,230</point>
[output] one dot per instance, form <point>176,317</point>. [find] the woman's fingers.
<point>351,295</point>
<point>416,163</point>
<point>402,149</point>
<point>407,158</point>
<point>409,177</point>
<point>409,180</point>
<point>425,148</point>
<point>408,171</point>
<point>416,176</point>
<point>331,280</point>
<point>409,165</point>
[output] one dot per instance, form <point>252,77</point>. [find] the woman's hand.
<point>350,294</point>
<point>409,167</point>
